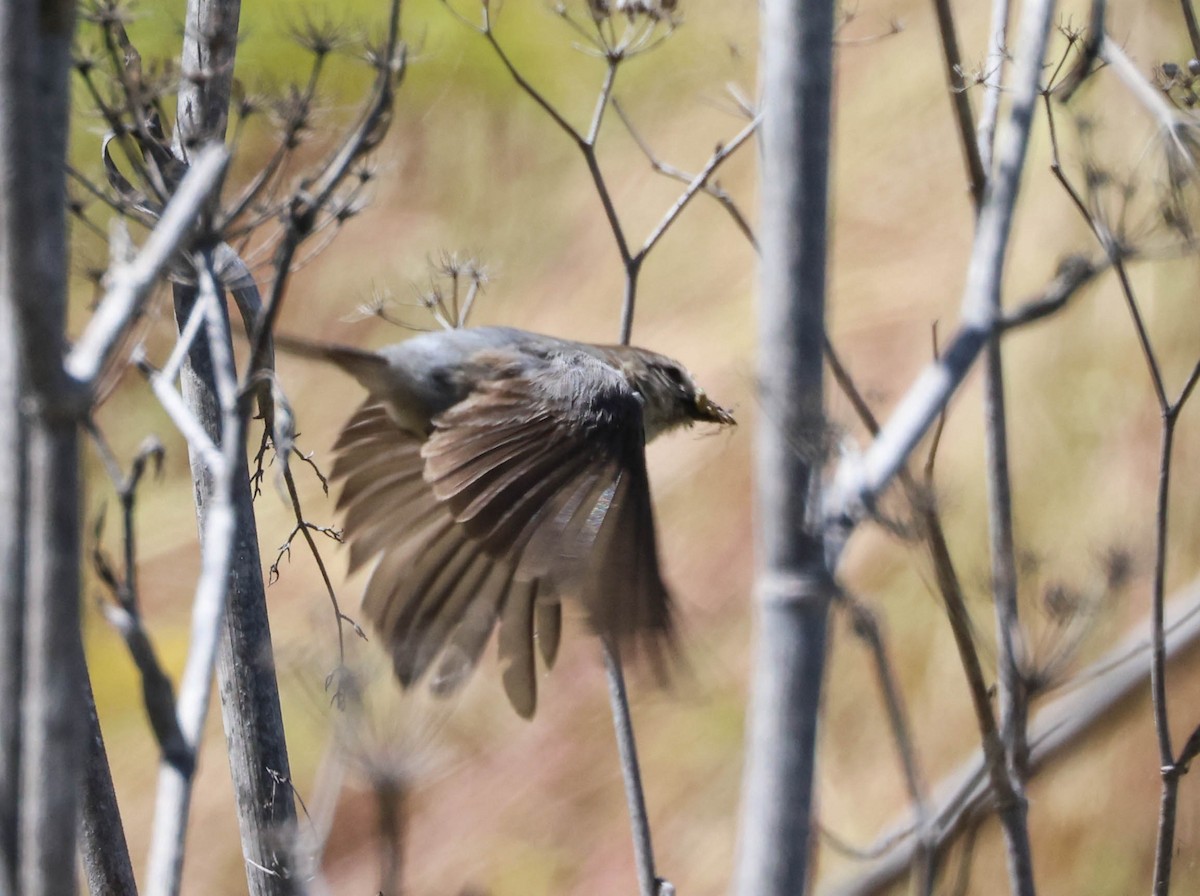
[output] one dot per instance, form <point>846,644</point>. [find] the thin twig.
<point>124,614</point>
<point>712,189</point>
<point>698,183</point>
<point>859,481</point>
<point>964,121</point>
<point>639,820</point>
<point>993,78</point>
<point>1193,29</point>
<point>866,626</point>
<point>1056,728</point>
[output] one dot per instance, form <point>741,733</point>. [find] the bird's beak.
<point>709,411</point>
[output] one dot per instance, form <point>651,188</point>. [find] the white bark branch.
<point>129,285</point>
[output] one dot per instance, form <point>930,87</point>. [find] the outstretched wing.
<point>530,490</point>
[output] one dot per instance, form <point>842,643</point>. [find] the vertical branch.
<point>206,65</point>
<point>635,798</point>
<point>245,666</point>
<point>1165,845</point>
<point>213,471</point>
<point>1193,29</point>
<point>867,627</point>
<point>40,783</point>
<point>1013,697</point>
<point>993,77</point>
<point>52,711</point>
<point>960,102</point>
<point>1170,767</point>
<point>12,584</point>
<point>105,853</point>
<point>986,278</point>
<point>793,587</point>
<point>245,663</point>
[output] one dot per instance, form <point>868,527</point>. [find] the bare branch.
<point>1074,273</point>
<point>1057,728</point>
<point>1193,29</point>
<point>698,183</point>
<point>104,852</point>
<point>794,586</point>
<point>964,120</point>
<point>129,285</point>
<point>208,608</point>
<point>867,627</point>
<point>635,798</point>
<point>993,78</point>
<point>712,189</point>
<point>859,481</point>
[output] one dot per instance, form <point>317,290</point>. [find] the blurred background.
<point>471,166</point>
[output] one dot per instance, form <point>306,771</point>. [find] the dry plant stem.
<point>1170,769</point>
<point>1169,795</point>
<point>316,192</point>
<point>1012,690</point>
<point>52,712</point>
<point>993,77</point>
<point>635,798</point>
<point>712,189</point>
<point>1193,29</point>
<point>43,600</point>
<point>1004,580</point>
<point>219,525</point>
<point>1073,275</point>
<point>793,586</point>
<point>245,665</point>
<point>130,284</point>
<point>866,626</point>
<point>158,694</point>
<point>103,850</point>
<point>859,481</point>
<point>857,484</point>
<point>305,529</point>
<point>1096,693</point>
<point>960,101</point>
<point>1013,696</point>
<point>13,499</point>
<point>1169,410</point>
<point>949,587</point>
<point>631,260</point>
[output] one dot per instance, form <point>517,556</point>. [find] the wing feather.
<point>530,490</point>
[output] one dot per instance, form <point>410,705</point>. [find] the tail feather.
<point>363,365</point>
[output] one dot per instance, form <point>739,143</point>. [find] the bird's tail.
<point>363,365</point>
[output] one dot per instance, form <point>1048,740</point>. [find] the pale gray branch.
<point>860,480</point>
<point>993,78</point>
<point>1058,727</point>
<point>793,586</point>
<point>208,608</point>
<point>129,285</point>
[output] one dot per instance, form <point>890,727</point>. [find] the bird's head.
<point>670,396</point>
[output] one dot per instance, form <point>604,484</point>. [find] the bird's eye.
<point>675,375</point>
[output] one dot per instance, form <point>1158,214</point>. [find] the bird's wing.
<point>548,465</point>
<point>531,489</point>
<point>435,595</point>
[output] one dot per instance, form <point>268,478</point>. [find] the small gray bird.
<point>494,472</point>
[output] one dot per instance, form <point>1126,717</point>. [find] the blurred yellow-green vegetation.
<point>472,166</point>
